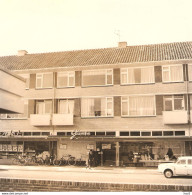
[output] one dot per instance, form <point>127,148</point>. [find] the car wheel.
<point>168,174</point>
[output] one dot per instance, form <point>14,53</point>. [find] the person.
<point>90,159</point>
<point>170,153</point>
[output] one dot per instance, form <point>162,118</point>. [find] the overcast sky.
<point>59,25</point>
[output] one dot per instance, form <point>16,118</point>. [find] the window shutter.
<point>77,78</point>
<point>159,104</point>
<point>116,76</point>
<point>185,72</point>
<point>186,101</point>
<point>77,107</point>
<point>158,74</point>
<point>32,81</point>
<point>55,80</point>
<point>31,107</point>
<point>117,106</point>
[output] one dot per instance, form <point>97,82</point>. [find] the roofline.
<point>91,65</point>
<point>101,48</point>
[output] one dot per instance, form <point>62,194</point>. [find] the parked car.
<point>183,166</point>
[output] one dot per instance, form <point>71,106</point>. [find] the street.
<point>98,174</point>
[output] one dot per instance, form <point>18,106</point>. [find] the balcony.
<point>40,119</point>
<point>175,117</point>
<point>62,119</point>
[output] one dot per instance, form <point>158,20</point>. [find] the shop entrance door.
<point>188,148</point>
<point>108,153</point>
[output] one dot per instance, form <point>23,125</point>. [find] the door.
<point>181,167</point>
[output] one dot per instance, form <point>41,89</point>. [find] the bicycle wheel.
<point>39,161</point>
<point>15,161</point>
<point>71,161</point>
<point>56,162</point>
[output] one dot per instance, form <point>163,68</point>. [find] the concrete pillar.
<point>117,154</point>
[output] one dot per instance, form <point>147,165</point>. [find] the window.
<point>44,107</point>
<point>156,133</point>
<point>137,75</point>
<point>97,107</point>
<point>172,73</point>
<point>124,133</point>
<point>44,80</point>
<point>146,133</point>
<point>179,133</point>
<point>190,161</point>
<point>182,162</point>
<point>135,133</point>
<point>65,79</point>
<point>174,102</point>
<point>66,106</point>
<point>97,77</point>
<point>17,116</point>
<point>138,106</point>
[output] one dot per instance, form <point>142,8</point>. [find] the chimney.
<point>21,52</point>
<point>122,44</point>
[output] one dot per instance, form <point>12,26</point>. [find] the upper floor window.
<point>174,102</point>
<point>65,79</point>
<point>138,106</point>
<point>44,80</point>
<point>172,73</point>
<point>97,107</point>
<point>97,77</point>
<point>190,72</point>
<point>66,106</point>
<point>141,75</point>
<point>43,106</point>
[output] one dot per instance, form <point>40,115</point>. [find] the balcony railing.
<point>40,119</point>
<point>175,117</point>
<point>62,119</point>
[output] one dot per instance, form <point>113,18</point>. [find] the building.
<point>116,101</point>
<point>11,100</point>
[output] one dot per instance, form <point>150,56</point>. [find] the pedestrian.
<point>89,159</point>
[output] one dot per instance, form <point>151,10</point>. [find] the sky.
<point>40,26</point>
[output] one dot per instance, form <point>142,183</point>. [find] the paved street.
<point>98,174</point>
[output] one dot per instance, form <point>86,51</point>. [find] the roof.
<point>11,73</point>
<point>129,54</point>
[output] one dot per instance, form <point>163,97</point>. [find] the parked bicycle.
<point>65,160</point>
<point>19,160</point>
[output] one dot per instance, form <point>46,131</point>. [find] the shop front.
<point>131,153</point>
<point>10,148</point>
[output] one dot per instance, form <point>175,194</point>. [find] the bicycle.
<point>19,160</point>
<point>66,159</point>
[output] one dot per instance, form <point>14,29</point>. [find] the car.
<point>182,167</point>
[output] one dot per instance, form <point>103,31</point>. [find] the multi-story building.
<point>114,100</point>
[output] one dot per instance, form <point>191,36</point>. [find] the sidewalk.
<point>81,169</point>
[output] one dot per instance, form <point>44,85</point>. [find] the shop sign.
<point>10,134</point>
<point>79,133</point>
<point>106,146</point>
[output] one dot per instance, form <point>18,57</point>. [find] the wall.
<point>74,147</point>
